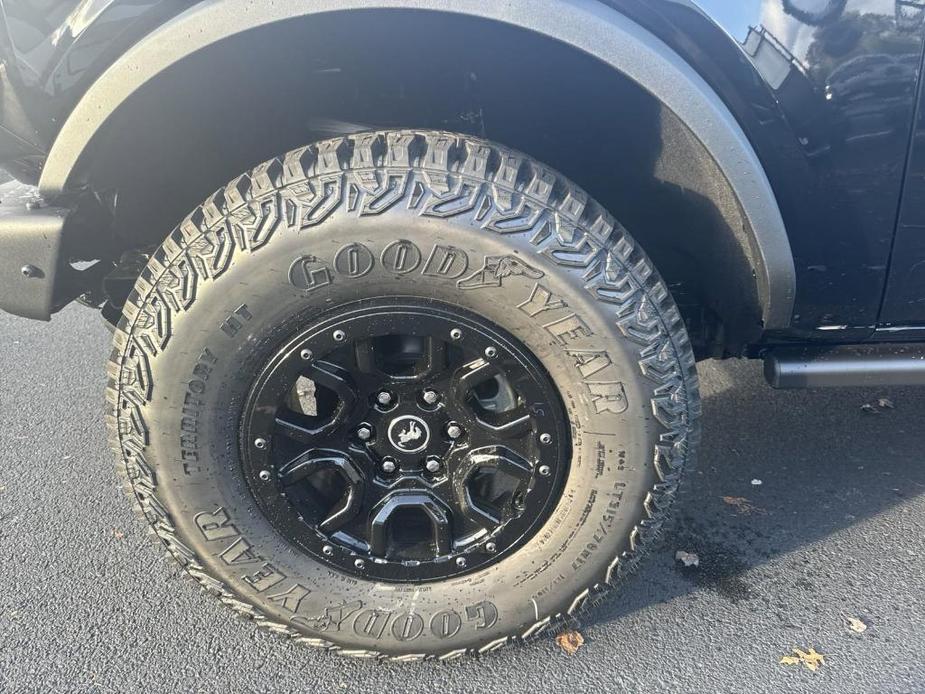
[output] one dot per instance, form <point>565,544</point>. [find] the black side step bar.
<point>854,365</point>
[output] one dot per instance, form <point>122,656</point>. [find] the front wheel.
<point>405,394</point>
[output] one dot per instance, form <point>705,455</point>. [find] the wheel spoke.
<point>468,377</point>
<point>336,379</point>
<point>365,356</point>
<point>287,426</point>
<point>421,501</point>
<point>434,358</point>
<point>308,429</point>
<point>511,425</point>
<point>501,460</point>
<point>310,464</point>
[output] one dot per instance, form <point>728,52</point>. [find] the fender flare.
<point>586,25</point>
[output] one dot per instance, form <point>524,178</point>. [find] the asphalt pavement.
<point>805,511</point>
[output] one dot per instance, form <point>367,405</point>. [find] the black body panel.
<point>825,91</point>
<point>904,302</point>
<point>52,50</point>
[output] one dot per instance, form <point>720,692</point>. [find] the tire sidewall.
<point>232,326</point>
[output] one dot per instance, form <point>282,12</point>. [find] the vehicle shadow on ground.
<point>823,462</point>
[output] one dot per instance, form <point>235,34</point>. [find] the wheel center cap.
<point>409,434</point>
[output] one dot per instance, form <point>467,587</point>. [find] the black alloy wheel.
<point>405,441</point>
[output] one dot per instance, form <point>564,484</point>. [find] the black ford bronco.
<point>408,295</point>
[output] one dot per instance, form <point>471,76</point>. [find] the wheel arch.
<point>756,238</point>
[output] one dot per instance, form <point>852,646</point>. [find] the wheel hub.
<point>409,434</point>
<point>405,441</point>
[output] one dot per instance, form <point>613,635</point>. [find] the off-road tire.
<point>227,288</point>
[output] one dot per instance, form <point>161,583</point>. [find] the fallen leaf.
<point>856,625</point>
<point>867,408</point>
<point>810,659</point>
<point>687,558</point>
<point>756,482</point>
<point>118,534</point>
<point>742,505</point>
<point>886,403</point>
<point>570,641</point>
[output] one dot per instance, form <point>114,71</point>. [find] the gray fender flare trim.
<point>586,25</point>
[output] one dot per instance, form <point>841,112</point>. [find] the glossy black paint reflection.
<point>825,91</point>
<point>52,49</point>
<point>904,302</point>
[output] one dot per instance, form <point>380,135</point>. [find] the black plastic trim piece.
<point>846,365</point>
<point>37,245</point>
<point>31,238</point>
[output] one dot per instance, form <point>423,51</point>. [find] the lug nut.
<point>30,272</point>
<point>432,465</point>
<point>430,397</point>
<point>544,470</point>
<point>388,466</point>
<point>461,562</point>
<point>454,431</point>
<point>456,333</point>
<point>545,439</point>
<point>490,547</point>
<point>339,336</point>
<point>491,352</point>
<point>364,433</point>
<point>264,475</point>
<point>306,354</point>
<point>260,444</point>
<point>384,398</point>
<point>327,550</point>
<point>360,564</point>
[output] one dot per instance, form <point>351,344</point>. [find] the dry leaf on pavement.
<point>885,403</point>
<point>742,505</point>
<point>811,659</point>
<point>687,558</point>
<point>570,641</point>
<point>856,625</point>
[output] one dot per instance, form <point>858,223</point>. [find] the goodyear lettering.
<point>608,397</point>
<point>401,257</point>
<point>541,300</point>
<point>264,578</point>
<point>569,329</point>
<point>354,260</point>
<point>215,525</point>
<point>447,262</point>
<point>290,599</point>
<point>308,273</point>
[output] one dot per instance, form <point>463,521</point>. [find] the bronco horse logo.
<point>412,433</point>
<point>409,434</point>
